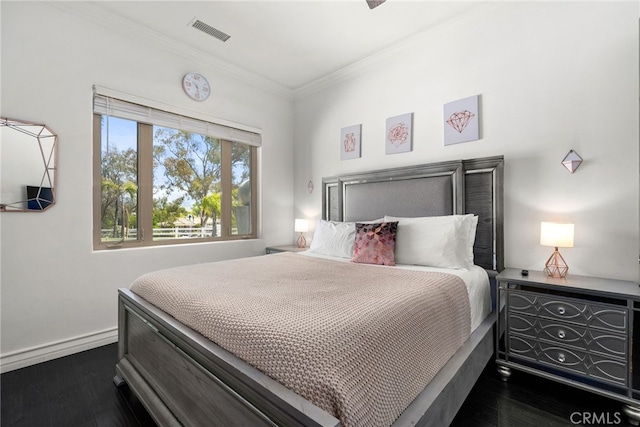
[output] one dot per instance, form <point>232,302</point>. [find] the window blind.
<point>114,107</point>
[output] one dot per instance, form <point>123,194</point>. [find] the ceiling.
<point>290,43</point>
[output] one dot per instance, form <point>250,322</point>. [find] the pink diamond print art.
<point>461,121</point>
<point>350,142</point>
<point>399,134</point>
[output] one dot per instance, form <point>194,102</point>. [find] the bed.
<point>184,378</point>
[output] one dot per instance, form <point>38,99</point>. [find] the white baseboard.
<point>31,356</point>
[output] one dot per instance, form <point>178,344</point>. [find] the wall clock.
<point>196,86</point>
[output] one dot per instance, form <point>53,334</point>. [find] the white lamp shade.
<point>301,225</point>
<point>556,234</point>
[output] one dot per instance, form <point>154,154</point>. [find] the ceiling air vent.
<point>213,32</point>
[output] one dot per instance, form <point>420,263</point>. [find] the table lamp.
<point>558,235</point>
<point>301,226</point>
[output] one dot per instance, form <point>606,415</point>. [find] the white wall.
<point>552,76</point>
<point>57,294</point>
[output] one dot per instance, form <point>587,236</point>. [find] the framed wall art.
<point>399,134</point>
<point>350,142</point>
<point>461,121</point>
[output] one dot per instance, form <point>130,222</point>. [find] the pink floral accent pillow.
<point>375,243</point>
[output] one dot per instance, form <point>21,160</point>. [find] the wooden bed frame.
<point>183,378</point>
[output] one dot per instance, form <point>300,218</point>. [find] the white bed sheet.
<point>476,280</point>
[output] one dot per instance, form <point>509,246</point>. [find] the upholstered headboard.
<point>445,188</point>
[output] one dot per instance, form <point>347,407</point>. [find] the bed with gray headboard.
<point>454,187</point>
<point>183,378</point>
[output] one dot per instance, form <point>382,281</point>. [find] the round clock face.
<point>196,86</point>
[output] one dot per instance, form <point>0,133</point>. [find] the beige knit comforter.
<point>359,341</point>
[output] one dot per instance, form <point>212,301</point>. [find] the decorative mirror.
<point>28,166</point>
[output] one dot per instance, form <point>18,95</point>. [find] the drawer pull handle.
<point>561,334</point>
<point>561,358</point>
<point>561,310</point>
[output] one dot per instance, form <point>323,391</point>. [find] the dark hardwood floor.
<point>530,401</point>
<point>72,391</point>
<point>77,390</point>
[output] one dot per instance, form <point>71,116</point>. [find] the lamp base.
<point>302,242</point>
<point>556,266</point>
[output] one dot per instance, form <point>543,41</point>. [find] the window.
<point>162,178</point>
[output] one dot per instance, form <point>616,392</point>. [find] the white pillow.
<point>437,241</point>
<point>333,238</point>
<point>473,226</point>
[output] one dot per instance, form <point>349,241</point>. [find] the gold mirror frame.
<point>28,169</point>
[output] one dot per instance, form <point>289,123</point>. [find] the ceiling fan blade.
<point>374,3</point>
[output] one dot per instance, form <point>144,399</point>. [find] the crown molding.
<point>93,12</point>
<point>407,46</point>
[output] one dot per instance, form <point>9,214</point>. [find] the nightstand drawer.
<point>593,340</point>
<point>569,310</point>
<point>578,330</point>
<point>594,366</point>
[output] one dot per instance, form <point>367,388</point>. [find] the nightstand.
<point>581,331</point>
<point>284,248</point>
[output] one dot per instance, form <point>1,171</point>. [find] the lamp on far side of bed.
<point>558,235</point>
<point>301,226</point>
